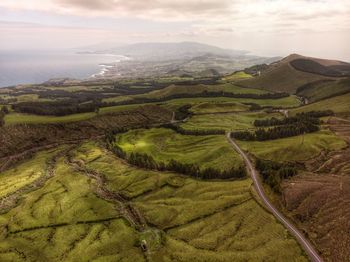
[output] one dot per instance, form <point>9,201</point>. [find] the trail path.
<point>309,249</point>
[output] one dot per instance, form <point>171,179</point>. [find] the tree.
<point>2,120</point>
<point>5,110</point>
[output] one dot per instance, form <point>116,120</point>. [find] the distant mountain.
<point>168,51</point>
<point>177,59</point>
<point>313,78</point>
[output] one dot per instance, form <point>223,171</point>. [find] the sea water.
<point>32,67</point>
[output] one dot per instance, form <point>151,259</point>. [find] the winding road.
<point>309,249</point>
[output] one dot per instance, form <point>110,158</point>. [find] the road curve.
<point>309,249</point>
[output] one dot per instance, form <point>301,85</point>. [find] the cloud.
<point>150,9</point>
<point>245,22</point>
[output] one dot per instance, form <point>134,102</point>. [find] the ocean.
<point>33,67</point>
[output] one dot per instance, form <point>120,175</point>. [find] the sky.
<point>318,28</point>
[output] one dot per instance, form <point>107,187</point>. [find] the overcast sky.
<point>265,27</point>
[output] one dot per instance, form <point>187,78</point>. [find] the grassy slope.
<point>202,221</point>
<point>290,101</point>
<point>188,89</point>
<point>282,78</point>
<point>322,90</point>
<point>237,76</point>
<point>12,180</point>
<point>17,118</point>
<point>294,148</point>
<point>183,89</point>
<point>228,122</point>
<point>218,107</point>
<point>339,104</point>
<point>165,144</point>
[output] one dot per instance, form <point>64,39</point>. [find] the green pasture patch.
<point>164,144</point>
<point>298,148</point>
<point>231,121</point>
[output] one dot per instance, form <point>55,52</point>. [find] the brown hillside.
<point>18,140</point>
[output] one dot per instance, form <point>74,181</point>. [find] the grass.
<point>291,101</point>
<point>298,148</point>
<point>282,77</point>
<point>188,89</point>
<point>196,89</point>
<point>237,76</point>
<point>339,104</point>
<point>25,173</point>
<point>19,118</point>
<point>165,144</point>
<point>232,121</point>
<point>66,198</point>
<point>321,90</point>
<point>218,107</point>
<point>202,221</point>
<point>191,220</point>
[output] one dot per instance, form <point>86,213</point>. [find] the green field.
<point>31,170</point>
<point>291,101</point>
<point>185,219</point>
<point>196,89</point>
<point>218,107</point>
<point>164,144</point>
<point>298,148</point>
<point>231,121</point>
<point>324,89</point>
<point>188,89</point>
<point>19,118</point>
<point>237,76</point>
<point>339,104</point>
<point>282,77</point>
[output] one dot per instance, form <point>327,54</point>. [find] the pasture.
<point>164,144</point>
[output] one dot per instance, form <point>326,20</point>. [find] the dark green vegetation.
<point>3,112</point>
<point>315,67</point>
<point>273,172</point>
<point>301,124</point>
<point>141,170</point>
<point>323,89</point>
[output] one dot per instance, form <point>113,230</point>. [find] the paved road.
<point>259,189</point>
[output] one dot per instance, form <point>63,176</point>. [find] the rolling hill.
<point>296,73</point>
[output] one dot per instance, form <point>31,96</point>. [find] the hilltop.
<point>297,74</point>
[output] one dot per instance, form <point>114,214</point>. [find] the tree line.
<point>183,112</point>
<point>4,111</point>
<point>56,108</point>
<point>273,172</point>
<point>287,127</point>
<point>276,132</point>
<point>89,101</point>
<point>316,114</point>
<point>286,121</point>
<point>142,100</point>
<point>311,117</point>
<point>196,132</point>
<point>192,170</point>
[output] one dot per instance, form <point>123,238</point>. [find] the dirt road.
<point>309,249</point>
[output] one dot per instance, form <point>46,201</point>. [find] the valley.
<point>173,169</point>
